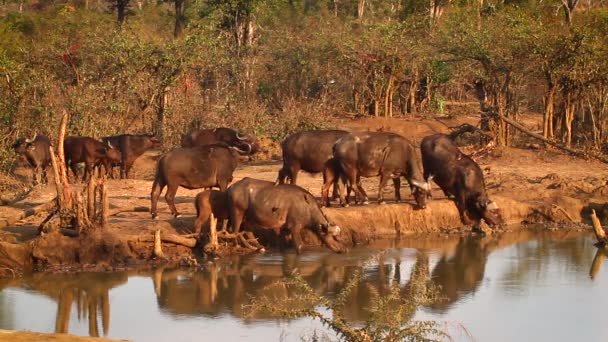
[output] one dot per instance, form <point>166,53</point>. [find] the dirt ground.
<point>531,185</point>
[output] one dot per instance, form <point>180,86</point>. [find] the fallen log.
<point>171,238</point>
<point>572,151</point>
<point>18,197</point>
<point>600,234</point>
<point>28,212</point>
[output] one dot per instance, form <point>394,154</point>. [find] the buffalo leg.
<point>236,219</point>
<point>297,238</point>
<point>383,180</point>
<point>329,179</point>
<point>293,170</point>
<point>74,169</point>
<point>45,178</point>
<point>353,181</point>
<point>397,184</point>
<point>157,189</point>
<point>170,198</point>
<point>462,208</point>
<point>89,168</point>
<point>282,176</point>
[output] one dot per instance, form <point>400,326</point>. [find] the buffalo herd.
<point>207,158</point>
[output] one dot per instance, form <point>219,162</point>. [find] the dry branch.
<point>28,212</point>
<point>158,251</point>
<point>213,231</point>
<point>600,234</point>
<point>61,162</point>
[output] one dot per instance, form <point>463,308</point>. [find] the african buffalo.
<point>91,152</point>
<point>131,146</point>
<point>383,154</point>
<point>228,136</point>
<point>459,176</point>
<point>263,204</point>
<point>310,151</point>
<point>194,168</point>
<point>36,152</point>
<point>207,202</point>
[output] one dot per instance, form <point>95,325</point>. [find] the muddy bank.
<point>128,239</point>
<point>27,336</point>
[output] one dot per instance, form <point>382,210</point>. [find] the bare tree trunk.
<point>388,97</point>
<point>360,8</point>
<point>569,112</point>
<point>180,17</point>
<point>549,111</point>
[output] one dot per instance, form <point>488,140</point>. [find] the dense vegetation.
<point>274,66</point>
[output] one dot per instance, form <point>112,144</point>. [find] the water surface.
<point>516,286</point>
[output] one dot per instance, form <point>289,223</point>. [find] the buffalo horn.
<point>247,151</point>
<point>33,138</point>
<point>238,136</point>
<point>424,186</point>
<point>110,144</point>
<point>492,206</point>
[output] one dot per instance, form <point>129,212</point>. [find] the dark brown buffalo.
<point>459,176</point>
<point>131,146</point>
<point>36,152</point>
<point>287,207</point>
<point>383,154</point>
<point>91,152</point>
<point>207,202</point>
<point>228,136</point>
<point>310,151</point>
<point>194,168</point>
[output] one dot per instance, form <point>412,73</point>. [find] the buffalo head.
<point>422,191</point>
<point>247,139</point>
<point>490,211</point>
<point>330,234</point>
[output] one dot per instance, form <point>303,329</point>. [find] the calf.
<point>459,176</point>
<point>91,152</point>
<point>207,202</point>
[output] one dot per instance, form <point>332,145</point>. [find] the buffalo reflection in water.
<point>229,287</point>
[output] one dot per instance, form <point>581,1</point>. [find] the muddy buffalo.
<point>36,152</point>
<point>131,146</point>
<point>458,176</point>
<point>228,136</point>
<point>383,154</point>
<point>194,168</point>
<point>208,202</point>
<point>312,152</point>
<point>279,207</point>
<point>91,152</point>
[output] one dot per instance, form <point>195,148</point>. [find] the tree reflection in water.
<point>89,292</point>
